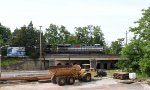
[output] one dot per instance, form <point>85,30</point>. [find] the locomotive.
<point>75,49</point>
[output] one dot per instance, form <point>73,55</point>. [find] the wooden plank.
<point>121,75</point>
<point>27,78</point>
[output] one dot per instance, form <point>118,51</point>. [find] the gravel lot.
<point>101,84</point>
<point>104,84</point>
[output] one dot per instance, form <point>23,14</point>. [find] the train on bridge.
<point>75,49</point>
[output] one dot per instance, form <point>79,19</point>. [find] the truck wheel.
<point>87,77</point>
<point>54,80</point>
<point>70,80</point>
<point>61,81</point>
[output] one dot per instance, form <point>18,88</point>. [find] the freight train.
<point>75,49</point>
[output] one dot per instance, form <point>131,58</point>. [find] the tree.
<point>28,37</point>
<point>138,50</point>
<point>19,37</point>
<point>116,46</point>
<point>5,39</point>
<point>73,39</point>
<point>5,34</point>
<point>90,35</point>
<point>52,36</point>
<point>82,35</point>
<point>133,52</point>
<point>63,35</point>
<point>57,35</point>
<point>98,36</point>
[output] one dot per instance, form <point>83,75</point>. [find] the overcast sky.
<point>114,16</point>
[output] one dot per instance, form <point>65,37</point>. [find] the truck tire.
<point>61,81</point>
<point>54,80</point>
<point>86,77</point>
<point>70,80</point>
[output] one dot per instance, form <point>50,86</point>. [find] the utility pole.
<point>0,54</point>
<point>0,62</point>
<point>40,48</point>
<point>90,29</point>
<point>126,37</point>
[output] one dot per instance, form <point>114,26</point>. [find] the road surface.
<point>101,84</point>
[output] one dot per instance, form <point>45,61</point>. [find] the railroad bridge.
<point>104,61</point>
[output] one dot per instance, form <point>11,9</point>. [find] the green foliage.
<point>116,46</point>
<point>10,61</point>
<point>5,39</point>
<point>33,54</point>
<point>63,35</point>
<point>29,38</point>
<point>72,39</point>
<point>98,36</point>
<point>5,35</point>
<point>4,51</point>
<point>83,35</point>
<point>138,50</point>
<point>55,35</point>
<point>134,53</point>
<point>145,66</point>
<point>123,65</point>
<point>90,35</point>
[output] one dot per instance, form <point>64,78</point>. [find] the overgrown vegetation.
<point>138,50</point>
<point>10,61</point>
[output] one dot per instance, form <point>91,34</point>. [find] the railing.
<point>81,56</point>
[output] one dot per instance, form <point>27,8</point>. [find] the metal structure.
<point>75,49</point>
<point>40,48</point>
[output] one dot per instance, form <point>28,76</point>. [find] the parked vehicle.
<point>62,75</point>
<point>94,72</point>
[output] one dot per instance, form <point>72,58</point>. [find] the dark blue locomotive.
<point>75,49</point>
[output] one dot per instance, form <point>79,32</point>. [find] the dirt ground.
<point>103,84</point>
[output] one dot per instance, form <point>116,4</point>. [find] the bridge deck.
<point>82,57</point>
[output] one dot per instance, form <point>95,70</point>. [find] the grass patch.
<point>141,76</point>
<point>10,61</point>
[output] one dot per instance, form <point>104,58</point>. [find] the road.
<point>101,84</point>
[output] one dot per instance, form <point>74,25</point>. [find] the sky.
<point>114,16</point>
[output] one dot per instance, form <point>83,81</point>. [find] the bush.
<point>124,65</point>
<point>10,61</point>
<point>145,66</point>
<point>34,55</point>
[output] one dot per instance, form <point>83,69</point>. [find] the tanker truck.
<point>62,75</point>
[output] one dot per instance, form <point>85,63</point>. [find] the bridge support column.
<point>93,63</point>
